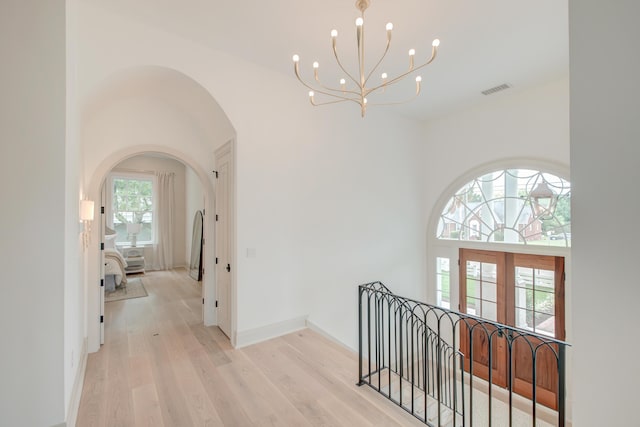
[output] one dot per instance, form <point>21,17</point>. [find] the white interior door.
<point>224,267</point>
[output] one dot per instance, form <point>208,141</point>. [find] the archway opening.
<point>157,111</point>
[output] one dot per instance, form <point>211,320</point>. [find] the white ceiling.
<point>484,43</point>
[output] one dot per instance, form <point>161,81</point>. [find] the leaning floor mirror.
<point>195,266</point>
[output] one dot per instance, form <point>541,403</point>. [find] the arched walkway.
<point>149,110</point>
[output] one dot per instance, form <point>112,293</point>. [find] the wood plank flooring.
<point>160,366</point>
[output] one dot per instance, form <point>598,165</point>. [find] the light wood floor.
<point>160,366</point>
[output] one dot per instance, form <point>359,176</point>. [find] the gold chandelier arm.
<point>384,54</point>
<point>377,104</point>
<point>434,52</point>
<point>340,97</point>
<point>317,104</point>
<point>418,87</point>
<point>335,54</point>
<point>341,90</point>
<point>360,39</point>
<point>296,69</point>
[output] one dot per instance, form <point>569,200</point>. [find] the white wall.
<point>518,123</point>
<point>605,149</point>
<point>194,201</point>
<point>34,206</point>
<point>300,172</point>
<point>75,254</point>
<point>154,163</point>
<point>331,212</point>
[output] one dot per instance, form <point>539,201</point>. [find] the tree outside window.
<point>132,203</point>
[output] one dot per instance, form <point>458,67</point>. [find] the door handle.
<point>229,267</point>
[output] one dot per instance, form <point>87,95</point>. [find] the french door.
<point>524,291</point>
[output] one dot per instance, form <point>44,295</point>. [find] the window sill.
<point>138,245</point>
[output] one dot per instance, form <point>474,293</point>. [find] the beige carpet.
<point>133,289</point>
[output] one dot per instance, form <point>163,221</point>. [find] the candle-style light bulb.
<point>389,28</point>
<point>359,22</point>
<point>334,33</point>
<point>436,43</point>
<point>412,53</point>
<point>296,58</point>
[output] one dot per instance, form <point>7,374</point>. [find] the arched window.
<point>517,206</point>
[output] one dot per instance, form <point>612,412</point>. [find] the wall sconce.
<point>86,216</point>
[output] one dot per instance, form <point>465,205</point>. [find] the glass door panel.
<point>538,306</point>
<point>482,295</point>
<point>482,289</point>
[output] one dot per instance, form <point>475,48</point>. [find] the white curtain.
<point>165,208</point>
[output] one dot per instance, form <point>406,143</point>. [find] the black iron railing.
<point>453,369</point>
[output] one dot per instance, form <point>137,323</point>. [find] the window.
<point>519,206</point>
<point>443,282</point>
<point>535,300</point>
<point>132,203</point>
<point>482,290</point>
<point>524,288</point>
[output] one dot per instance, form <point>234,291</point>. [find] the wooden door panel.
<point>546,373</point>
<point>530,296</point>
<point>484,340</point>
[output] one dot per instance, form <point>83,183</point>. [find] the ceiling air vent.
<point>496,89</point>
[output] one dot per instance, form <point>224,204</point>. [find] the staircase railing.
<point>413,353</point>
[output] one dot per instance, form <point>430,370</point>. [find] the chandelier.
<point>363,87</point>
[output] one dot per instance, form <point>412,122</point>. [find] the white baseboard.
<point>330,337</point>
<point>76,392</point>
<point>274,330</point>
<point>263,333</point>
